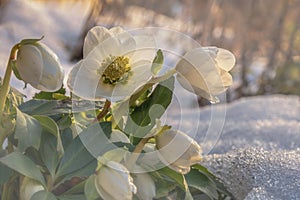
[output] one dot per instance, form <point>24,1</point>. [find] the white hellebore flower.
<point>39,66</point>
<point>28,188</point>
<point>113,182</point>
<point>204,71</point>
<point>145,184</point>
<point>115,64</point>
<point>178,150</point>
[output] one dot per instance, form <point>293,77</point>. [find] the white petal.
<point>86,79</point>
<point>211,50</point>
<point>145,48</point>
<point>95,36</point>
<point>30,64</point>
<point>178,149</point>
<point>116,175</point>
<point>84,82</point>
<point>116,30</point>
<point>196,90</point>
<point>53,74</point>
<point>145,186</point>
<point>124,37</point>
<point>199,73</point>
<point>72,75</point>
<point>225,59</point>
<point>141,73</point>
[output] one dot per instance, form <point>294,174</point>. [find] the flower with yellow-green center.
<point>115,64</point>
<point>205,71</point>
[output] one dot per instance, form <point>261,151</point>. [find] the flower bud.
<point>178,150</point>
<point>145,185</point>
<point>28,188</point>
<point>204,71</point>
<point>39,66</point>
<point>113,181</point>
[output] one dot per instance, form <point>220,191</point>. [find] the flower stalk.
<point>104,111</point>
<point>6,80</point>
<point>140,146</point>
<point>136,153</point>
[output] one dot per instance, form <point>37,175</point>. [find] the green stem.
<point>136,153</point>
<point>5,191</point>
<point>5,85</point>
<point>49,183</point>
<point>139,147</point>
<point>104,111</point>
<point>8,188</point>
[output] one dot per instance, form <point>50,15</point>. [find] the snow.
<point>253,144</point>
<point>257,152</point>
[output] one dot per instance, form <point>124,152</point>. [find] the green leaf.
<point>22,164</point>
<point>72,197</point>
<point>28,131</point>
<point>44,107</point>
<point>142,119</point>
<point>163,188</point>
<point>54,107</point>
<point>57,95</point>
<point>215,182</point>
<point>5,173</point>
<point>157,62</point>
<point>76,189</point>
<point>179,179</point>
<point>50,126</point>
<point>95,138</point>
<point>83,172</point>
<point>77,155</point>
<point>30,41</point>
<point>199,181</point>
<point>7,125</point>
<point>43,195</point>
<point>64,122</point>
<point>85,148</point>
<point>49,154</point>
<point>67,137</point>
<point>90,190</point>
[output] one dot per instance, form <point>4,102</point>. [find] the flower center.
<point>116,69</point>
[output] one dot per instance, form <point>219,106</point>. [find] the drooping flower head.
<point>178,150</point>
<point>115,64</point>
<point>38,65</point>
<point>204,71</point>
<point>114,182</point>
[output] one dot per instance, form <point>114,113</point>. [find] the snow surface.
<point>257,153</point>
<point>253,144</point>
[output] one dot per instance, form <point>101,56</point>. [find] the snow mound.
<point>258,152</point>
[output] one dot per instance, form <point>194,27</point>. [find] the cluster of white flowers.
<point>115,66</point>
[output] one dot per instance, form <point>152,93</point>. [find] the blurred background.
<point>263,34</point>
